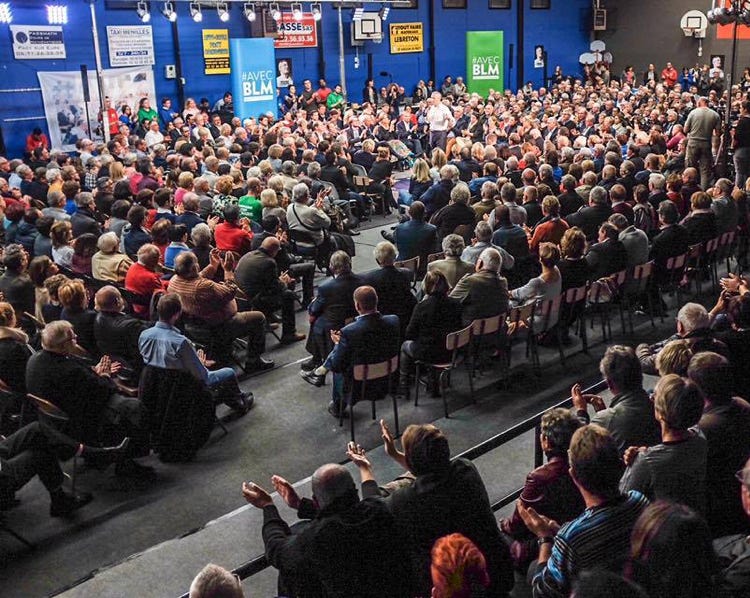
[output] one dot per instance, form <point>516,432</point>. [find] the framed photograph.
<point>284,76</point>
<point>501,4</point>
<point>539,57</point>
<point>539,4</point>
<point>410,4</point>
<point>454,4</point>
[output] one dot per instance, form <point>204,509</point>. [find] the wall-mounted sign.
<point>35,42</point>
<point>406,37</point>
<point>253,76</point>
<point>130,45</point>
<point>296,34</point>
<point>216,51</point>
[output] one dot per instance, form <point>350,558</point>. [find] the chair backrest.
<point>546,314</point>
<point>375,371</point>
<point>726,243</point>
<point>458,339</point>
<point>599,292</point>
<point>617,280</point>
<point>48,410</point>
<point>712,245</point>
<point>433,257</point>
<point>359,169</point>
<point>694,251</point>
<point>298,235</point>
<point>334,194</point>
<point>575,295</point>
<point>361,181</point>
<point>521,313</point>
<point>410,264</point>
<point>677,262</point>
<point>485,326</point>
<point>639,277</point>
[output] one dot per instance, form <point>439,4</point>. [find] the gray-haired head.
<point>491,260</point>
<point>460,193</point>
<point>453,245</point>
<point>693,316</point>
<point>300,193</point>
<point>598,196</point>
<point>483,231</point>
<point>384,253</point>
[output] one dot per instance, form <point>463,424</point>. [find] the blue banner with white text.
<point>253,76</point>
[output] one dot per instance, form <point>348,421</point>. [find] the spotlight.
<point>196,12</point>
<point>249,11</point>
<point>169,12</point>
<point>358,13</point>
<point>384,12</point>
<point>6,15</point>
<point>297,12</point>
<point>143,13</point>
<point>223,10</point>
<point>275,12</point>
<point>57,14</point>
<point>317,12</point>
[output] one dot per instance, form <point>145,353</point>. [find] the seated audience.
<point>451,266</point>
<point>214,581</point>
<point>458,568</point>
<point>108,263</point>
<point>732,551</point>
<point>393,285</point>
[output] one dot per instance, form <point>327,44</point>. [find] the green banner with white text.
<point>484,61</point>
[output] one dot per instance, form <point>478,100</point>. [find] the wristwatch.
<point>545,540</point>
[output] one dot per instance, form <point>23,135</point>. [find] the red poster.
<point>296,34</point>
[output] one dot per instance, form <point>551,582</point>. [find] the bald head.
<point>271,246</point>
<point>331,481</point>
<point>108,299</point>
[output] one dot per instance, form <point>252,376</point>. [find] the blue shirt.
<point>163,346</point>
<point>173,250</point>
<point>70,206</point>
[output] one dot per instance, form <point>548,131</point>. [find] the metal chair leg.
<point>443,389</point>
<point>416,390</point>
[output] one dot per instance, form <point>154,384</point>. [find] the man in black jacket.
<point>446,497</point>
<point>608,255</point>
<point>456,213</point>
<point>393,285</point>
<point>116,332</point>
<point>266,289</point>
<point>350,547</point>
<point>590,217</point>
<point>84,220</point>
<point>671,240</point>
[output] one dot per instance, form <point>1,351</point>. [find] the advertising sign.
<point>216,51</point>
<point>484,61</point>
<point>406,37</point>
<point>35,42</point>
<point>130,45</point>
<point>253,63</point>
<point>296,34</point>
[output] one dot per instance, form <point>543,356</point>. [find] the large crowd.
<point>152,268</point>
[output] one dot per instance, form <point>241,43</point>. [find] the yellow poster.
<point>406,37</point>
<point>216,51</point>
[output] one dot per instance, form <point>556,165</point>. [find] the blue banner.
<point>253,76</point>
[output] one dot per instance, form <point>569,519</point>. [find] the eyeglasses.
<point>743,476</point>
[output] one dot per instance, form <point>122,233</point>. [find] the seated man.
<point>330,309</point>
<point>484,293</point>
<point>415,237</point>
<point>608,255</point>
<point>285,258</point>
<point>117,333</point>
<point>482,241</point>
<point>213,304</point>
<point>393,285</point>
<point>447,496</point>
<point>733,551</point>
<point>451,266</point>
<point>549,489</point>
<point>674,470</point>
<point>371,338</point>
<point>266,289</point>
<point>600,537</point>
<point>456,214</point>
<point>86,394</point>
<point>693,325</point>
<point>630,415</point>
<point>214,581</point>
<point>163,346</point>
<point>29,452</point>
<point>317,559</point>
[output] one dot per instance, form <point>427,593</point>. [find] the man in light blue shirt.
<point>164,346</point>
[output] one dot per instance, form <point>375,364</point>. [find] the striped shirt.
<point>599,538</point>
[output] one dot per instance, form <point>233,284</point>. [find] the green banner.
<point>484,61</point>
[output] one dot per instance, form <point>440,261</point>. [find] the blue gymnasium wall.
<point>564,30</point>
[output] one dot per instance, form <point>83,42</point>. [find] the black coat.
<point>438,504</point>
<point>437,196</point>
<point>351,548</point>
<point>701,227</point>
<point>84,221</point>
<point>589,219</point>
<point>257,275</point>
<point>117,335</point>
<point>569,203</point>
<point>606,258</point>
<point>393,286</point>
<point>334,302</point>
<point>668,242</point>
<point>432,320</point>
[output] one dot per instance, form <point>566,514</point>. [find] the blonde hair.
<point>268,199</point>
<point>421,172</point>
<point>674,358</point>
<point>116,171</point>
<point>185,180</point>
<point>438,158</point>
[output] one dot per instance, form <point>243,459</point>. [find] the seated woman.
<point>75,303</point>
<point>548,284</point>
<point>380,175</point>
<point>52,310</point>
<point>549,488</point>
<point>40,269</point>
<point>14,351</point>
<point>701,221</point>
<point>108,263</point>
<point>432,320</point>
<point>419,182</point>
<point>573,267</point>
<point>84,248</point>
<point>61,234</point>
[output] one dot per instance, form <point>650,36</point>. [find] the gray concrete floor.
<point>150,541</point>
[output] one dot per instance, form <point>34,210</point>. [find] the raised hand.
<point>286,491</point>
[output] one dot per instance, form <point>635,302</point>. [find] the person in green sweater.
<point>145,111</point>
<point>250,206</point>
<point>335,99</point>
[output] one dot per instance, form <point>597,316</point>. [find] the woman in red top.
<point>233,234</point>
<point>36,139</point>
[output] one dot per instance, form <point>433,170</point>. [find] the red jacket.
<point>232,237</point>
<point>143,281</point>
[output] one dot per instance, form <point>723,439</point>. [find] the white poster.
<point>36,42</point>
<point>62,94</point>
<point>130,45</point>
